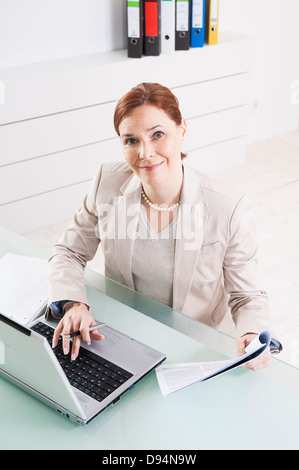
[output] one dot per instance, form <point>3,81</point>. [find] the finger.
<point>258,366</point>
<point>96,336</point>
<point>264,363</point>
<point>77,342</point>
<point>65,340</point>
<point>241,345</point>
<point>75,347</point>
<point>70,325</point>
<point>86,335</point>
<point>57,333</point>
<point>84,331</point>
<point>261,362</point>
<point>65,343</point>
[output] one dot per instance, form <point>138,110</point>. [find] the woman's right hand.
<point>77,317</point>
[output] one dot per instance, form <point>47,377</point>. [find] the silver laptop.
<point>79,390</point>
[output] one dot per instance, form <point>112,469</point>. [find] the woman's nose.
<point>146,151</point>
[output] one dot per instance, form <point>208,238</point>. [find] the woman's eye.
<point>131,141</point>
<point>158,135</point>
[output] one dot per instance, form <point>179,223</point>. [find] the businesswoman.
<point>166,230</point>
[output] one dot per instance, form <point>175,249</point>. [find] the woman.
<point>166,230</point>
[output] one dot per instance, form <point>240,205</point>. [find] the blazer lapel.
<point>191,223</point>
<point>127,209</point>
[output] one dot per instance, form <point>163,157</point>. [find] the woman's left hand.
<point>260,362</point>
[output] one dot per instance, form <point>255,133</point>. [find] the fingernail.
<point>65,350</point>
<point>73,357</point>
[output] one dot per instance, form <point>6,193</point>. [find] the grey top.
<point>153,260</point>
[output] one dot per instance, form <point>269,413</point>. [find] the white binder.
<point>167,26</point>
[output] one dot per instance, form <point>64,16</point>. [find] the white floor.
<point>270,177</point>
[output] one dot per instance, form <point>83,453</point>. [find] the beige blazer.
<point>215,266</point>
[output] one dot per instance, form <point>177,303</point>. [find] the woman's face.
<point>151,143</point>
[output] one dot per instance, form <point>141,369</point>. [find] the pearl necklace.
<point>155,206</point>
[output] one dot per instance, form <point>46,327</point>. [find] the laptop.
<point>79,390</point>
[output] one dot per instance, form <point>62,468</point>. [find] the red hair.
<point>152,94</point>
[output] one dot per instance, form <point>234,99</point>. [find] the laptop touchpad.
<point>104,344</point>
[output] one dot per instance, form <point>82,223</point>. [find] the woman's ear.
<point>184,129</point>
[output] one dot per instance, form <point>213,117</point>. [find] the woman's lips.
<point>150,167</point>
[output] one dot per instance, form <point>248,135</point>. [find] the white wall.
<point>273,24</point>
<point>41,30</point>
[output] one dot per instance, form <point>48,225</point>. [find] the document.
<point>23,287</point>
<point>174,377</point>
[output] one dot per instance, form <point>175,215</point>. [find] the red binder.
<point>152,29</point>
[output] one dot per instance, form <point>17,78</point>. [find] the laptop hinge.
<point>15,325</point>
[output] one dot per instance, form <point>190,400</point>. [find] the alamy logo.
<point>120,222</point>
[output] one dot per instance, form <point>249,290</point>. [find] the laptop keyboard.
<point>89,373</point>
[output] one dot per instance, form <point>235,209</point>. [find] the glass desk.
<point>238,410</point>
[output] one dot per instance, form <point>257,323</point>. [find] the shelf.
<point>57,86</point>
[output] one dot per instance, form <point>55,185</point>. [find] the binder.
<point>182,26</point>
<point>152,27</point>
<point>167,26</point>
<point>197,26</point>
<point>135,28</point>
<point>212,14</point>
